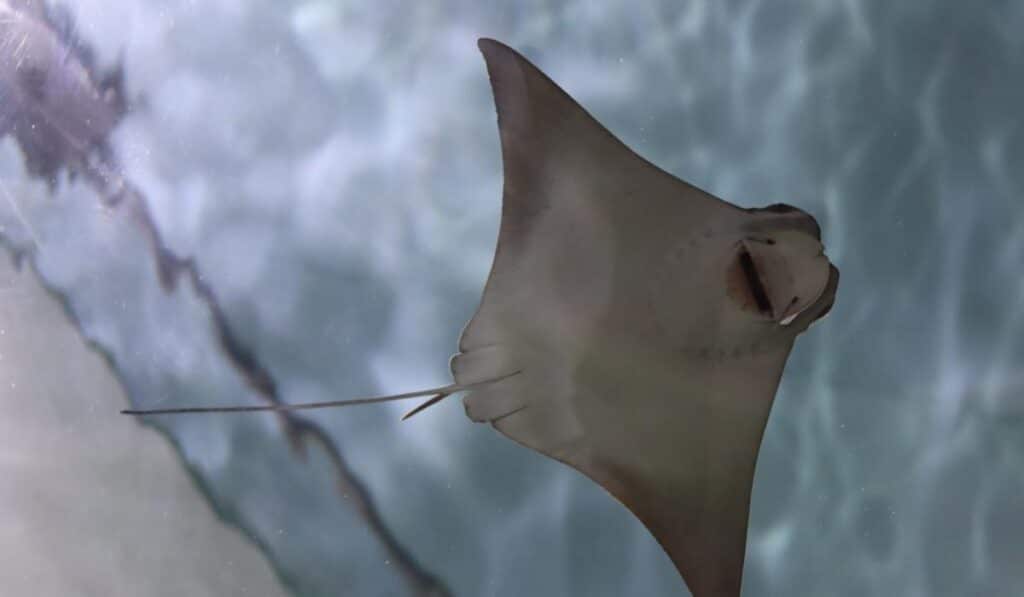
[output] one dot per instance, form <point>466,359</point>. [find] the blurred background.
<point>245,201</point>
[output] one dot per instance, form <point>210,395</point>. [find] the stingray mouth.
<point>755,285</point>
<point>778,276</point>
<point>747,285</point>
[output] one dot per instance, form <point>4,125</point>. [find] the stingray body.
<point>633,326</point>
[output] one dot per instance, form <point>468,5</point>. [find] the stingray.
<point>633,326</point>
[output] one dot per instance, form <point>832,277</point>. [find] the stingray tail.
<point>436,395</point>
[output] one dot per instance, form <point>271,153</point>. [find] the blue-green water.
<point>334,170</point>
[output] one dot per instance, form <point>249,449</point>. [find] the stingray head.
<point>779,269</point>
<point>741,282</point>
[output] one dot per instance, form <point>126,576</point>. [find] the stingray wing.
<point>574,196</point>
<point>571,190</point>
<point>681,457</point>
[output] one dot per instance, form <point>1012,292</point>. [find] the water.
<point>333,170</point>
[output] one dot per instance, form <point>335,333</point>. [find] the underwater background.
<point>299,201</point>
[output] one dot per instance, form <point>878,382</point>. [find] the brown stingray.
<point>633,326</point>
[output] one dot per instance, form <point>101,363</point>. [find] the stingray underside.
<point>585,372</point>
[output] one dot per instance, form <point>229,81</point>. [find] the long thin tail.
<point>437,394</point>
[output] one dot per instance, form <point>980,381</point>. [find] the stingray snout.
<point>783,216</point>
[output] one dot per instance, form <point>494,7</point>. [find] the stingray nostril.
<point>790,316</point>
